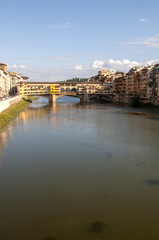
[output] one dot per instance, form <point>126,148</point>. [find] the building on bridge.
<point>53,90</point>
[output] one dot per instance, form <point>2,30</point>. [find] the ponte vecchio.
<point>54,90</point>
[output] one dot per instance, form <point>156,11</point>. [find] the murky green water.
<point>80,172</point>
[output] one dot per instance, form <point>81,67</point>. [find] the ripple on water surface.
<point>73,171</point>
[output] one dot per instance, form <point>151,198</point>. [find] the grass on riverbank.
<point>30,99</point>
<point>10,112</point>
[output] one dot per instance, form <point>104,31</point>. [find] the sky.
<point>55,40</point>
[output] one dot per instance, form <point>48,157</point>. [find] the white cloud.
<point>143,20</point>
<point>46,74</point>
<point>151,42</point>
<point>46,58</point>
<point>97,64</point>
<point>67,23</point>
<point>14,66</point>
<point>126,61</point>
<point>57,74</point>
<point>152,62</point>
<point>78,67</point>
<point>125,64</point>
<point>60,74</point>
<point>63,26</point>
<point>120,65</point>
<point>61,58</point>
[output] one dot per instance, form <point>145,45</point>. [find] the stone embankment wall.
<point>8,102</point>
<point>127,99</point>
<point>121,99</point>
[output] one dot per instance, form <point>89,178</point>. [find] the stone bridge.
<point>54,90</point>
<point>53,97</point>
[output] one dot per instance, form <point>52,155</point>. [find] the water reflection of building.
<point>31,113</point>
<point>22,118</point>
<point>51,111</point>
<point>5,135</point>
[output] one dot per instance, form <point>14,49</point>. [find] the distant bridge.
<point>54,90</point>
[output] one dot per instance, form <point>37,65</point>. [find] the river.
<point>71,171</point>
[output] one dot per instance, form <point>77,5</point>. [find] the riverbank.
<point>135,102</point>
<point>12,111</point>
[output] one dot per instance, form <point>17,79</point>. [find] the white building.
<point>2,83</point>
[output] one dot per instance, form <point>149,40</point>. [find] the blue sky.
<point>54,40</point>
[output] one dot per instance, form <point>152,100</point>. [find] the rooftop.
<point>3,64</point>
<point>65,83</point>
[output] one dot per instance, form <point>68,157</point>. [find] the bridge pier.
<point>52,98</point>
<point>85,98</point>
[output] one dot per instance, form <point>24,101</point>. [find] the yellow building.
<point>26,89</point>
<point>55,89</point>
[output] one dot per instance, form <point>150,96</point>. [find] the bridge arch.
<point>53,97</point>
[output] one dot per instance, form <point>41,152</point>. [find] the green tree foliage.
<point>77,80</point>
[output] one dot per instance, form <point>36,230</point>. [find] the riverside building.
<point>9,81</point>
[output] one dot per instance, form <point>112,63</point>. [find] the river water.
<point>70,171</point>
